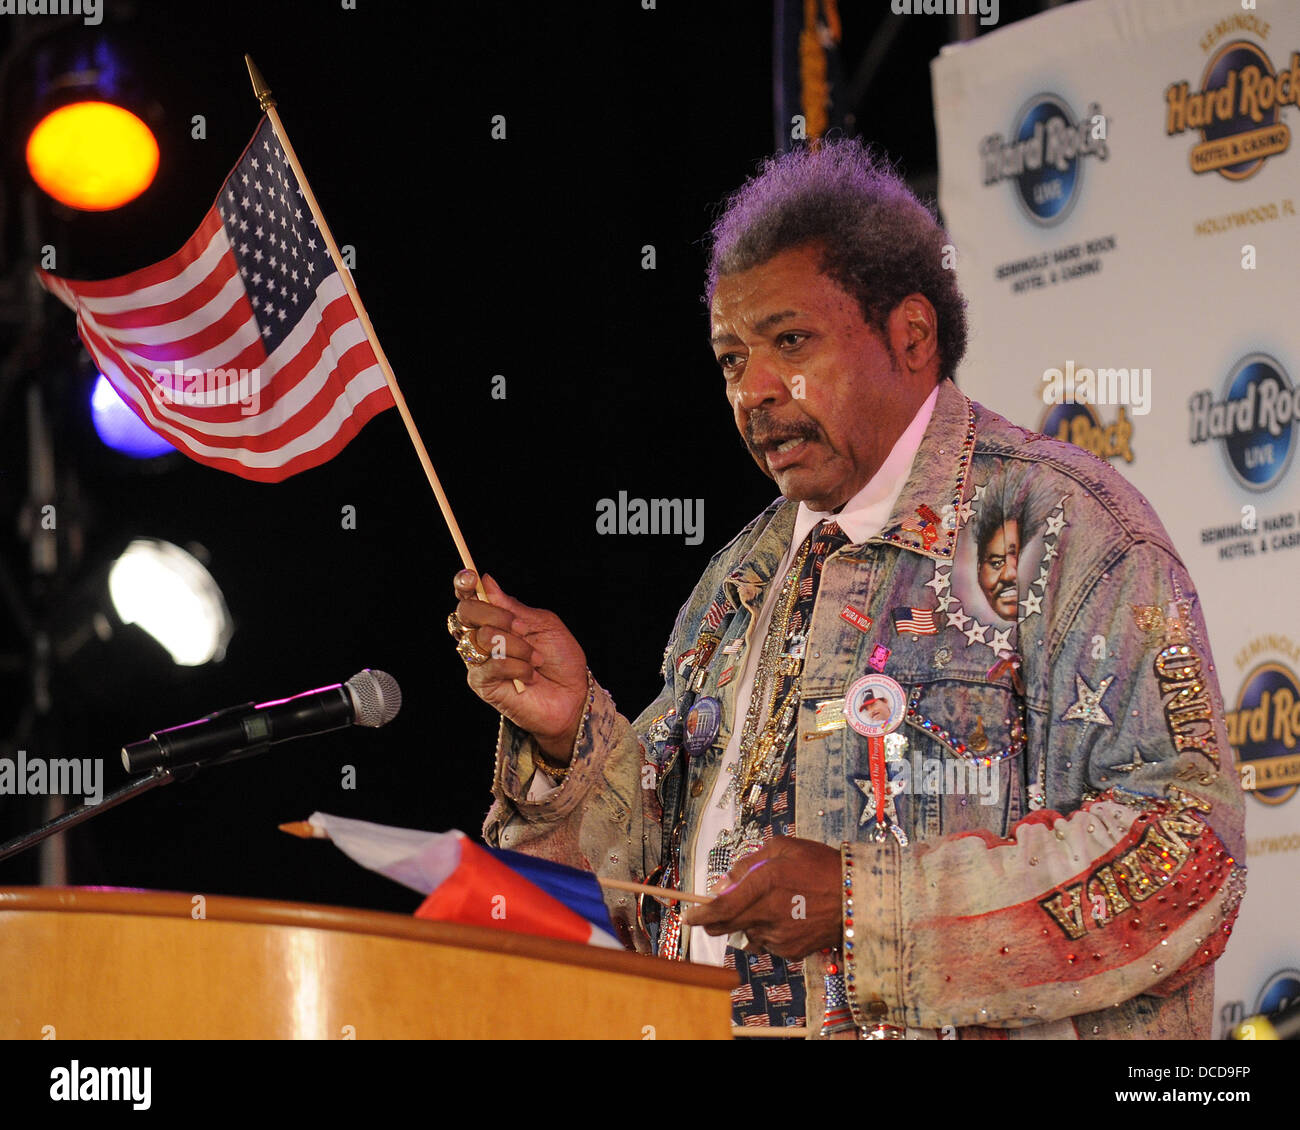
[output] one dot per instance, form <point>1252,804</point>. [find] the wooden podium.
<point>122,964</point>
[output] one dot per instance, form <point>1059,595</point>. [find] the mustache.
<point>762,431</point>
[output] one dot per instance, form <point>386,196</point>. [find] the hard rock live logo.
<point>1265,725</point>
<point>1237,110</point>
<point>1255,420</point>
<point>1044,156</point>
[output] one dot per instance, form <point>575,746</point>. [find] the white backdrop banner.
<point>1121,185</point>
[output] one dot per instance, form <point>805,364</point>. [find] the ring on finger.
<point>455,626</point>
<point>470,652</point>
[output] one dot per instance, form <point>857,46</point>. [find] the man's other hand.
<point>785,897</point>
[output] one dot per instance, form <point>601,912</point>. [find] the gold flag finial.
<point>264,97</point>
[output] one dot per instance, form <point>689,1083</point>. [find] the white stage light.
<point>169,594</point>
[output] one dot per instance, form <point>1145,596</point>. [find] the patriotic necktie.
<point>772,990</point>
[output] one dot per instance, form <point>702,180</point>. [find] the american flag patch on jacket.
<point>713,617</point>
<point>918,620</point>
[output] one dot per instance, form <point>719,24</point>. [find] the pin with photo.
<point>703,721</point>
<point>875,706</point>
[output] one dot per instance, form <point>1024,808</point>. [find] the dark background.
<point>475,258</point>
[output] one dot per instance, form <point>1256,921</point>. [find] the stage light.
<point>120,428</point>
<point>92,156</point>
<point>167,592</point>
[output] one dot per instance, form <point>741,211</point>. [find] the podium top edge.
<point>316,916</point>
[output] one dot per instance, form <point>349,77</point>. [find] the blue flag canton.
<point>279,250</point>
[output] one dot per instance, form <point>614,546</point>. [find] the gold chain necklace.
<point>760,753</point>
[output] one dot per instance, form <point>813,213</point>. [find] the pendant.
<point>838,1017</point>
<point>721,858</point>
<point>733,786</point>
<point>886,815</point>
<point>751,842</point>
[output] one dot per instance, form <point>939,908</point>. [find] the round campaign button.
<point>875,705</point>
<point>702,723</point>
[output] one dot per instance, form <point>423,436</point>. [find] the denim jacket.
<point>1071,852</point>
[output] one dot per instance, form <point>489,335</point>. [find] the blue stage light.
<point>120,428</point>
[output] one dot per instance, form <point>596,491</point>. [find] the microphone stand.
<point>162,775</point>
<point>159,775</point>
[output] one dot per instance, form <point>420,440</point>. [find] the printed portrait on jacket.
<point>1004,553</point>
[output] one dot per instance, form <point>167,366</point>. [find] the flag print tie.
<point>771,992</point>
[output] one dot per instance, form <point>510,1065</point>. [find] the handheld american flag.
<point>243,348</point>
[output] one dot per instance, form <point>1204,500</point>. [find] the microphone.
<point>369,698</point>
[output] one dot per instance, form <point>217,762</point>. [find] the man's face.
<point>817,394</point>
<point>998,563</point>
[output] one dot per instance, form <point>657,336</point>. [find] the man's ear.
<point>913,331</point>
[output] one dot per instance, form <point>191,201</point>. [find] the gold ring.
<point>470,652</point>
<point>455,627</point>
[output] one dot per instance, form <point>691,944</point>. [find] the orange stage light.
<point>93,156</point>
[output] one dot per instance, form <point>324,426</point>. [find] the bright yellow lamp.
<point>93,156</point>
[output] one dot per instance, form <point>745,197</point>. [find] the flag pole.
<point>306,830</point>
<point>267,102</point>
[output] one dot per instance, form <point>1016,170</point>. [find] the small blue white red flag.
<point>477,885</point>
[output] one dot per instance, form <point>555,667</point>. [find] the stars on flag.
<point>326,394</point>
<point>281,269</point>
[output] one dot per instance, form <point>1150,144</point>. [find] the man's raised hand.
<point>533,646</point>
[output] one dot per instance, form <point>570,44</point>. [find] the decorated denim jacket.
<point>1068,858</point>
